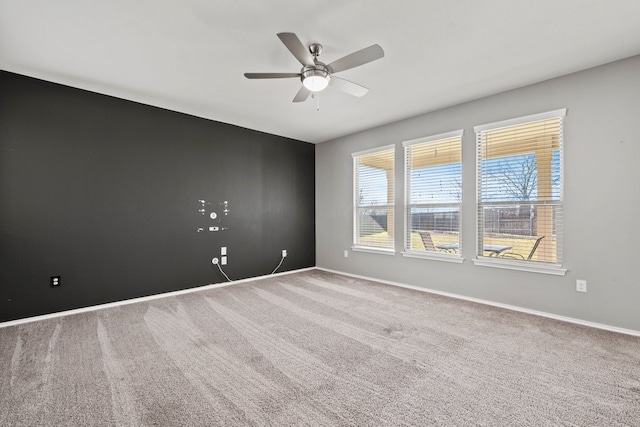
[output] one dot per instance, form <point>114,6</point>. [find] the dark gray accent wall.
<point>106,194</point>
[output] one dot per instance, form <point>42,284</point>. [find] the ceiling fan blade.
<point>349,87</point>
<point>270,75</point>
<point>302,95</point>
<point>356,59</point>
<point>295,46</point>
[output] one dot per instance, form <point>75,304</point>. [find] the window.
<point>433,184</point>
<point>520,200</point>
<point>374,189</point>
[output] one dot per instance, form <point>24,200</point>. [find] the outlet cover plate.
<point>581,285</point>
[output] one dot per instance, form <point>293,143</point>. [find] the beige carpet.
<point>315,348</point>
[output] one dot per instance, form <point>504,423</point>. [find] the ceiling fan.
<point>316,75</point>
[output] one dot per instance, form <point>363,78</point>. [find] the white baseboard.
<point>388,282</point>
<point>142,299</point>
<point>494,304</point>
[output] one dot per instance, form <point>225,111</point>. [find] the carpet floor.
<point>315,348</point>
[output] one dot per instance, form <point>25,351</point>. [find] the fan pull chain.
<point>316,96</point>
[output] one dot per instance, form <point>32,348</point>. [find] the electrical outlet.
<point>223,260</point>
<point>284,253</point>
<point>223,250</point>
<point>54,281</point>
<point>581,285</point>
<point>346,254</point>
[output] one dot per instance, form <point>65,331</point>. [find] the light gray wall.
<point>602,189</point>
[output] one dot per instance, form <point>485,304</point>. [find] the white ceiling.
<point>190,55</point>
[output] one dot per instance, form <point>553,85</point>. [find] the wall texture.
<point>602,199</point>
<point>105,193</point>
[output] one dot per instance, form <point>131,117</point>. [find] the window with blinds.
<point>433,197</point>
<point>374,189</point>
<point>520,174</point>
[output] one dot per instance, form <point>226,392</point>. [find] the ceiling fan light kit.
<point>315,75</point>
<point>315,79</point>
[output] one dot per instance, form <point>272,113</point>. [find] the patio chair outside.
<point>518,256</point>
<point>426,241</point>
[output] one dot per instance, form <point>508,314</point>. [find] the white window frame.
<point>411,253</point>
<point>389,207</point>
<point>529,266</point>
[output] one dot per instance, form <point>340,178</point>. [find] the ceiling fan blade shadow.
<point>302,95</point>
<point>295,46</point>
<point>270,75</point>
<point>356,59</point>
<point>348,87</point>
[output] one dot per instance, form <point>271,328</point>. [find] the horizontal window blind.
<point>520,196</point>
<point>433,180</point>
<point>374,190</point>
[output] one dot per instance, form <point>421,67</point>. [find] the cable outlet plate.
<point>54,281</point>
<point>284,253</point>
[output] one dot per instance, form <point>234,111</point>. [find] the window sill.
<point>529,266</point>
<point>373,250</point>
<point>436,256</point>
